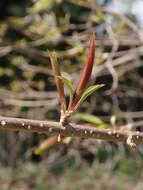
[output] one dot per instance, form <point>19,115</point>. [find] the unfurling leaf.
<point>85,74</point>
<point>59,83</point>
<point>88,92</point>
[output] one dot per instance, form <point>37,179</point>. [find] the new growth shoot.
<point>81,92</point>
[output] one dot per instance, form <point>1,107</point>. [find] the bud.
<point>85,74</point>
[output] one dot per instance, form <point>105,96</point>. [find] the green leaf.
<point>104,126</point>
<point>91,119</point>
<point>38,151</point>
<point>88,92</point>
<point>68,83</point>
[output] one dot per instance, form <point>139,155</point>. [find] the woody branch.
<point>82,131</point>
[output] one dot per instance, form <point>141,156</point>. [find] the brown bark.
<point>73,130</point>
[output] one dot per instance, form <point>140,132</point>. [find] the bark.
<point>131,138</point>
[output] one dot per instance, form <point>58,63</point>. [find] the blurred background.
<point>28,30</point>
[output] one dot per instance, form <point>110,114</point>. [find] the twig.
<point>110,58</point>
<point>129,56</point>
<point>17,124</point>
<point>136,114</point>
<point>30,103</point>
<point>30,52</point>
<point>33,94</point>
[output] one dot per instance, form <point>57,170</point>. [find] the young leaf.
<point>69,85</point>
<point>87,92</point>
<point>46,145</point>
<point>59,83</point>
<point>85,74</point>
<point>91,119</point>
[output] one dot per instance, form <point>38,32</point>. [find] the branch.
<point>28,51</point>
<point>18,124</point>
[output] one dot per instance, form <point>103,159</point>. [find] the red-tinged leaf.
<point>85,74</point>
